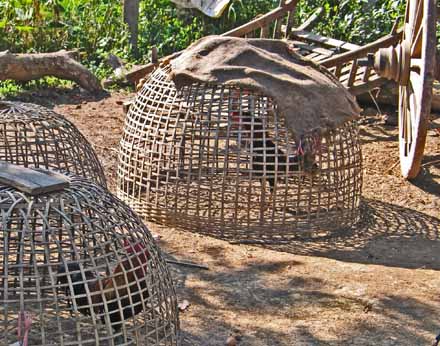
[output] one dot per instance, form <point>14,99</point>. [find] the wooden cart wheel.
<point>415,91</point>
<point>412,65</point>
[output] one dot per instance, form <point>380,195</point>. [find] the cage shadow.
<point>376,134</point>
<point>429,176</point>
<point>257,290</point>
<point>387,234</point>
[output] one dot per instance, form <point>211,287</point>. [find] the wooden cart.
<point>406,55</point>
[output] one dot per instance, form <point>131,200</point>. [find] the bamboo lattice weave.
<point>36,137</point>
<point>220,160</point>
<point>86,271</point>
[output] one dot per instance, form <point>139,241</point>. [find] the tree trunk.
<point>131,17</point>
<point>61,64</point>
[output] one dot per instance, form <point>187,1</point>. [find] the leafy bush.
<point>359,21</point>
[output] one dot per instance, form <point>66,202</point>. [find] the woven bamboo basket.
<point>78,267</point>
<point>220,160</point>
<point>34,136</point>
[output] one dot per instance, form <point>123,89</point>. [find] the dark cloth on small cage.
<point>309,97</point>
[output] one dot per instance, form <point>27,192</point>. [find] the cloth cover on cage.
<point>308,96</point>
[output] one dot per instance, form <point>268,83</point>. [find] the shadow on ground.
<point>275,303</point>
<point>51,97</point>
<point>283,309</point>
<point>387,234</point>
<point>429,175</point>
<point>379,134</point>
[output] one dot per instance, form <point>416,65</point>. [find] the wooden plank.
<point>327,41</point>
<point>347,73</point>
<point>312,20</point>
<point>137,73</point>
<point>338,69</point>
<point>264,32</point>
<point>262,21</point>
<point>32,181</point>
<point>320,58</point>
<point>312,56</point>
<point>278,22</point>
<point>353,72</point>
<point>367,73</point>
<point>372,47</point>
<point>286,28</point>
<point>311,48</point>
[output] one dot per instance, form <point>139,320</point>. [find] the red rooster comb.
<point>138,249</point>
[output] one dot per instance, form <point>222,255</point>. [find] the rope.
<point>375,102</point>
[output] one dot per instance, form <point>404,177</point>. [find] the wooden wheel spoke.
<point>416,44</point>
<point>416,65</point>
<point>407,11</point>
<point>416,17</point>
<point>410,19</point>
<point>408,102</point>
<point>402,113</point>
<point>416,83</point>
<point>419,15</point>
<point>413,112</point>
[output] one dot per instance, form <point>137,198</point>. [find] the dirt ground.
<point>376,284</point>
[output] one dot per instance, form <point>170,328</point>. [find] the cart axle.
<point>394,62</point>
<point>386,64</point>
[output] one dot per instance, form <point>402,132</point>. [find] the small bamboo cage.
<point>34,136</point>
<point>220,160</point>
<point>78,267</point>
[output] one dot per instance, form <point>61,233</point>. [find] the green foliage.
<point>360,21</point>
<point>92,26</point>
<point>8,88</point>
<point>170,29</point>
<point>11,88</point>
<point>96,28</point>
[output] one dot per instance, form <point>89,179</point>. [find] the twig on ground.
<point>187,264</point>
<point>393,166</point>
<point>430,163</point>
<point>106,148</point>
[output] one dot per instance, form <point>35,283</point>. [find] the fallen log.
<point>389,95</point>
<point>62,64</point>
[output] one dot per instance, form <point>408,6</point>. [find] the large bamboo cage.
<point>220,160</point>
<point>36,137</point>
<point>78,267</point>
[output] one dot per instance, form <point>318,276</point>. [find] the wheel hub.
<point>394,62</point>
